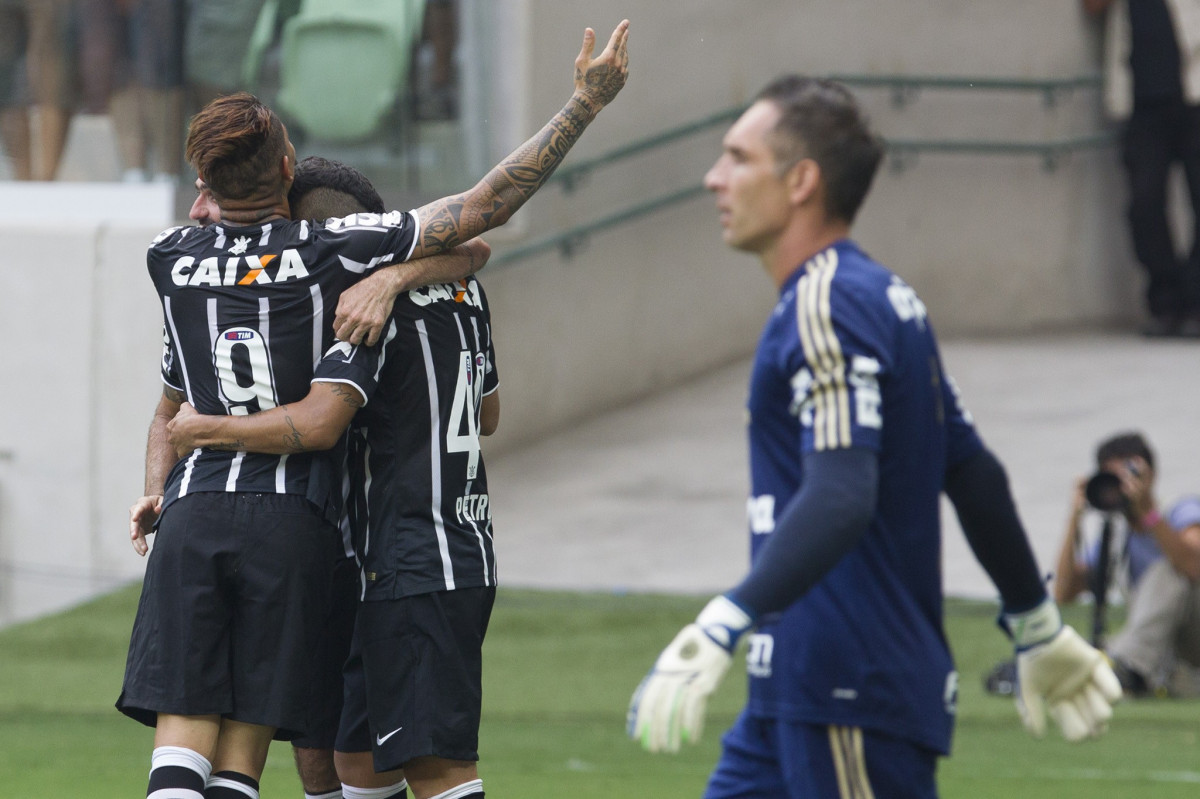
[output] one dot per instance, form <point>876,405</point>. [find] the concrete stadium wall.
<point>995,245</point>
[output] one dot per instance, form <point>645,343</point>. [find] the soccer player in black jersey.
<point>422,526</point>
<point>221,673</point>
<point>323,189</point>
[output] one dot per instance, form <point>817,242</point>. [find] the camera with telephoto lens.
<point>1103,489</point>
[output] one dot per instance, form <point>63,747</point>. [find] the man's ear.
<point>804,181</point>
<point>287,169</point>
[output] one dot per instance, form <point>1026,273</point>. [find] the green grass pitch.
<point>559,669</point>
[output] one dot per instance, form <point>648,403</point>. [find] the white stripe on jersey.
<point>392,332</point>
<point>235,468</point>
<point>303,230</point>
<point>187,386</point>
<point>483,558</point>
<point>264,330</point>
<point>344,522</point>
<point>266,235</point>
<point>213,332</point>
<point>220,242</point>
<point>187,472</point>
<point>823,352</point>
<point>462,336</point>
<point>435,455</point>
<point>281,475</point>
<point>318,304</point>
<point>365,521</point>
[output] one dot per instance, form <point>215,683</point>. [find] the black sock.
<point>231,785</point>
<point>177,773</point>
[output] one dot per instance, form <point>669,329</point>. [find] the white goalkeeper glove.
<point>668,706</point>
<point>1059,671</point>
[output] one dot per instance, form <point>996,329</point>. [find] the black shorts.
<point>325,701</point>
<point>414,678</point>
<point>235,593</point>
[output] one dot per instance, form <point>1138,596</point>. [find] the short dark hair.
<point>235,144</point>
<point>325,188</point>
<point>1124,445</point>
<point>821,120</point>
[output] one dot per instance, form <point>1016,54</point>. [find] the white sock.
<point>459,791</point>
<point>350,792</point>
<point>331,795</point>
<point>177,773</point>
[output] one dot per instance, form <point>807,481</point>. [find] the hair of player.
<point>1124,446</point>
<point>821,120</point>
<point>235,144</point>
<point>325,188</point>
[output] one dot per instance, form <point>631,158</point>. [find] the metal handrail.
<point>904,88</point>
<point>901,152</point>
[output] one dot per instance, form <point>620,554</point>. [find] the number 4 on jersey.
<point>467,395</point>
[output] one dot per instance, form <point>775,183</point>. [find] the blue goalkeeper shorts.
<point>769,759</point>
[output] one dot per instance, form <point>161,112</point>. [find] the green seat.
<point>345,65</point>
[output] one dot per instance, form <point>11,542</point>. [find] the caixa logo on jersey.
<point>464,291</point>
<point>239,270</point>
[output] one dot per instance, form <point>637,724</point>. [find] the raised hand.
<point>598,80</point>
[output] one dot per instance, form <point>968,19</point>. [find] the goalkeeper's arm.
<point>824,521</point>
<point>1056,669</point>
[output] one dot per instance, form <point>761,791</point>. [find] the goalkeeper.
<point>854,433</point>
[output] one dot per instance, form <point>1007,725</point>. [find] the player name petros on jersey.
<point>473,508</point>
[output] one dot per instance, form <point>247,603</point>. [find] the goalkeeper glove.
<point>668,706</point>
<point>1057,669</point>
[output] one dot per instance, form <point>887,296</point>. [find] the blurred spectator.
<point>1152,75</point>
<point>131,59</point>
<point>34,76</point>
<point>438,96</point>
<point>218,38</point>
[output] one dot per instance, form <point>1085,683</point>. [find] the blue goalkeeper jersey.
<point>848,359</point>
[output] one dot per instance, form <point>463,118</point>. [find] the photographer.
<point>1158,650</point>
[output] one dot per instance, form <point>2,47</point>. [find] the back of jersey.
<point>247,314</point>
<point>421,513</point>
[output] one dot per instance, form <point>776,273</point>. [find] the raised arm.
<point>453,220</point>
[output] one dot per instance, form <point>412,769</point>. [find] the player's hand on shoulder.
<point>668,706</point>
<point>600,79</point>
<point>364,308</point>
<point>1061,675</point>
<point>142,515</point>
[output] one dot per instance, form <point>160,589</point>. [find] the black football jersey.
<point>419,508</point>
<point>247,315</point>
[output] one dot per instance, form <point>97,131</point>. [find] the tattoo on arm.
<point>227,446</point>
<point>509,184</point>
<point>349,396</point>
<point>174,395</point>
<point>294,441</point>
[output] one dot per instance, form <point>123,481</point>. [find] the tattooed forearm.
<point>509,184</point>
<point>293,441</point>
<point>227,446</point>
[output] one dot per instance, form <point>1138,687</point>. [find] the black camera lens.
<point>1103,492</point>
